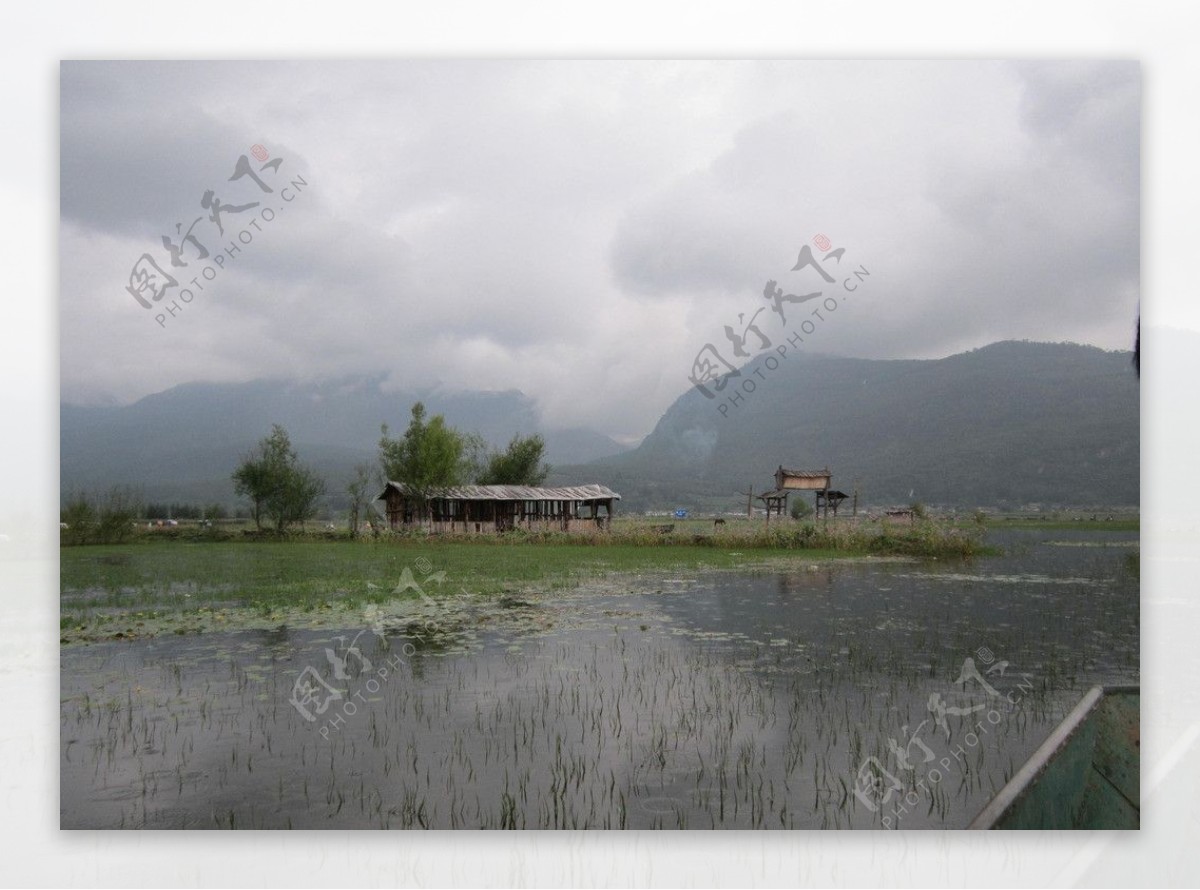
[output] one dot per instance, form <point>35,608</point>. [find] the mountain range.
<point>1007,425</point>
<point>182,444</point>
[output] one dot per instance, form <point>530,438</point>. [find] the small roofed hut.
<point>775,501</point>
<point>498,508</point>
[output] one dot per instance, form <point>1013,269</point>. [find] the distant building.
<point>497,508</point>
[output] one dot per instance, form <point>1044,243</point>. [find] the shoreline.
<point>351,609</point>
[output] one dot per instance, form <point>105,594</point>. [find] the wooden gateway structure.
<point>787,481</point>
<point>498,508</point>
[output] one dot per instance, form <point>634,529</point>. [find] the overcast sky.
<point>579,231</point>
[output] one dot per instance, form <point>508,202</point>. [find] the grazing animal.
<point>718,523</point>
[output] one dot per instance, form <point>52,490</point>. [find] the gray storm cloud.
<point>580,230</point>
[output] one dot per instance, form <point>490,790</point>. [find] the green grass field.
<point>192,580</point>
<point>148,588</point>
<point>309,572</point>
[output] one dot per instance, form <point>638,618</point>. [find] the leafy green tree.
<point>299,498</point>
<point>519,464</point>
<point>431,453</point>
<point>279,488</point>
<point>253,480</point>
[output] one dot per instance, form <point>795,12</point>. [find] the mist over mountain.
<point>1010,424</point>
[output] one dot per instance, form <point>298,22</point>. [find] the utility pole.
<point>749,502</point>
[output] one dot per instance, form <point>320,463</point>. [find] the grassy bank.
<point>1116,524</point>
<point>932,538</point>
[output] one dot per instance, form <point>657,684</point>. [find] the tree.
<point>431,454</point>
<point>298,499</point>
<point>117,512</point>
<point>215,511</point>
<point>475,458</point>
<point>279,487</point>
<point>79,517</point>
<point>519,464</point>
<point>100,519</point>
<point>252,480</point>
<point>359,491</point>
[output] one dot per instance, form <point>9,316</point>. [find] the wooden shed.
<point>497,508</point>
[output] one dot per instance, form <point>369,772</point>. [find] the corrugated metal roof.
<point>805,474</point>
<point>512,493</point>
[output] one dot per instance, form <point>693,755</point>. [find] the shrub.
<point>99,520</point>
<point>800,508</point>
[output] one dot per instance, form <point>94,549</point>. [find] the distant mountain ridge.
<point>1010,424</point>
<point>183,443</point>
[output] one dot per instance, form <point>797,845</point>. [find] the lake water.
<point>831,695</point>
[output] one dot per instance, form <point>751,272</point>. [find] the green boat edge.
<point>1086,775</point>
